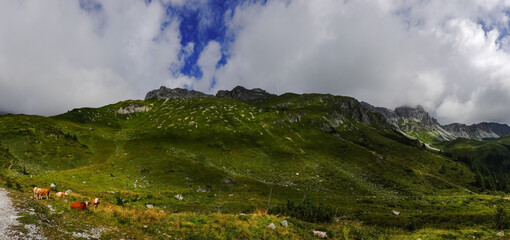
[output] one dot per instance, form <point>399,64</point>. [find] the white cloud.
<point>389,53</point>
<point>207,62</point>
<point>55,56</point>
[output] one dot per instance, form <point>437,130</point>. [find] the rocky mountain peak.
<point>417,113</point>
<point>168,93</point>
<point>244,94</point>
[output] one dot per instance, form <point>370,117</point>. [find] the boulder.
<point>284,223</point>
<point>271,226</point>
<point>320,234</point>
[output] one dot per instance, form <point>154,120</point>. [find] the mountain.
<point>479,130</point>
<point>244,94</point>
<point>416,122</point>
<point>412,121</point>
<point>190,165</point>
<point>168,93</point>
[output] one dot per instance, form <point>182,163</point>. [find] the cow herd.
<point>40,192</point>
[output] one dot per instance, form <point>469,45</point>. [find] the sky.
<point>452,57</point>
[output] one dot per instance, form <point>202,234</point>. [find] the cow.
<point>96,203</point>
<point>43,191</point>
<point>35,191</point>
<point>80,205</point>
<point>60,194</point>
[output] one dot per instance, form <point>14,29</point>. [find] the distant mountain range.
<point>412,121</point>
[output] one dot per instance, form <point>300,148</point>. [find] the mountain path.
<point>10,227</point>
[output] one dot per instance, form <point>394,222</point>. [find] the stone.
<point>396,213</point>
<point>284,223</point>
<point>500,234</point>
<point>179,197</point>
<point>271,226</point>
<point>53,185</point>
<point>149,206</point>
<point>320,234</point>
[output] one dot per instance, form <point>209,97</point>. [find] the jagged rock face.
<point>409,120</point>
<point>168,93</point>
<point>417,114</point>
<point>478,131</point>
<point>244,94</point>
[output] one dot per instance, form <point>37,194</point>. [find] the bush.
<point>8,182</point>
<point>501,220</point>
<point>307,211</point>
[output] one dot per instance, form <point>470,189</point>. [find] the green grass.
<point>227,157</point>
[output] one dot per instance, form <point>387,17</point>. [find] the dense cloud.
<point>389,53</point>
<point>452,57</point>
<point>58,55</point>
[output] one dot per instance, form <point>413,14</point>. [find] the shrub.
<point>8,182</point>
<point>501,220</point>
<point>307,211</point>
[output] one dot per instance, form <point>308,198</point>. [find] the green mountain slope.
<point>232,156</point>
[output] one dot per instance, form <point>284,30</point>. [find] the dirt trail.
<point>10,227</point>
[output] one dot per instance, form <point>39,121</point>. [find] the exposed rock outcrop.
<point>132,108</point>
<point>168,93</point>
<point>417,120</point>
<point>244,94</point>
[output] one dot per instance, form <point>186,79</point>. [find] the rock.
<point>396,213</point>
<point>271,226</point>
<point>133,108</point>
<point>297,174</point>
<point>167,93</point>
<point>244,94</point>
<point>149,206</point>
<point>53,185</point>
<point>320,234</point>
<point>500,234</point>
<point>228,181</point>
<point>284,223</point>
<point>68,191</point>
<point>179,197</point>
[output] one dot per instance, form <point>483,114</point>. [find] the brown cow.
<point>35,191</point>
<point>80,205</point>
<point>43,191</point>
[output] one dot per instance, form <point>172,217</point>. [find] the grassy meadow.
<point>234,161</point>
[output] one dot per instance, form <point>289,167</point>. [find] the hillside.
<point>228,156</point>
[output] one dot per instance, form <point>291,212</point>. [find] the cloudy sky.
<point>452,57</point>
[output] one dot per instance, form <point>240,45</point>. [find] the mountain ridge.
<point>413,121</point>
